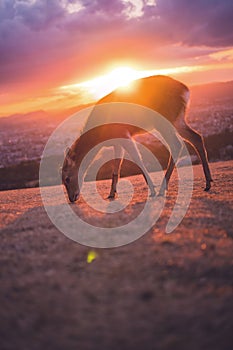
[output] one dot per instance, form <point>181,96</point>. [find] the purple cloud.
<point>41,36</point>
<point>198,22</point>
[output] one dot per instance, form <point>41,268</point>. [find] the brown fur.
<point>162,94</point>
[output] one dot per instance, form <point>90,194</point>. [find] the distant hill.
<point>39,117</point>
<point>199,93</point>
<point>212,91</point>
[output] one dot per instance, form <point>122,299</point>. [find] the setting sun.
<point>102,85</point>
<point>122,76</point>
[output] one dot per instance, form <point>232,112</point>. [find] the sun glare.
<point>102,85</point>
<point>121,77</point>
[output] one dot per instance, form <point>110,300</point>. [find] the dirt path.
<point>160,292</point>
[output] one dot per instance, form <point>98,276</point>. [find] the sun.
<point>119,77</point>
<point>122,76</point>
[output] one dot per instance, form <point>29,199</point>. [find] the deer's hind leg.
<point>197,142</point>
<point>175,146</point>
<point>118,159</point>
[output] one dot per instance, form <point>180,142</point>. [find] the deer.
<point>159,93</point>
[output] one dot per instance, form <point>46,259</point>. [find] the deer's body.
<point>162,94</point>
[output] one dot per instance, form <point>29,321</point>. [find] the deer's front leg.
<point>113,191</point>
<point>118,154</point>
<point>132,150</point>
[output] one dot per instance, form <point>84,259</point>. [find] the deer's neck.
<point>85,149</point>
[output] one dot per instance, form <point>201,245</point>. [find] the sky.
<point>58,53</point>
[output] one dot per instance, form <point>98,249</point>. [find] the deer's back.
<point>163,94</point>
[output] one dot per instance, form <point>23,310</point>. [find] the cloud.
<point>198,22</point>
<point>39,15</point>
<point>45,42</point>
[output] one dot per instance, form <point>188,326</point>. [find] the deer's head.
<point>70,176</point>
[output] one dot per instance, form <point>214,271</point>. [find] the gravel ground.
<point>164,291</point>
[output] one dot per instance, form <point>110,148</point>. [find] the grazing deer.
<point>162,94</point>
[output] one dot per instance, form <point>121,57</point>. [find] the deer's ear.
<point>67,151</point>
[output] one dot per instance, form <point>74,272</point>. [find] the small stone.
<point>203,246</point>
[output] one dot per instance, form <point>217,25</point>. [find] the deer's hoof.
<point>208,186</point>
<point>111,197</point>
<point>153,194</point>
<point>162,192</point>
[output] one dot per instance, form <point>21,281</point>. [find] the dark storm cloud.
<point>35,35</point>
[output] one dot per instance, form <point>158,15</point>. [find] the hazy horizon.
<point>77,105</point>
